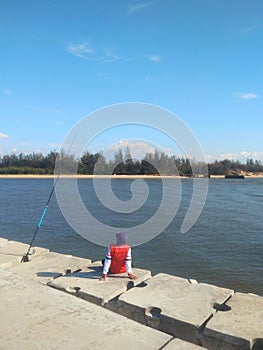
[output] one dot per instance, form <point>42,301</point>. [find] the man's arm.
<point>128,262</point>
<point>106,266</point>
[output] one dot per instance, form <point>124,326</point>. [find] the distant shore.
<point>247,176</point>
<point>29,176</point>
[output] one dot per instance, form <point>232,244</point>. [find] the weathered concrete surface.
<point>178,344</point>
<point>50,265</point>
<point>3,242</point>
<point>173,305</point>
<point>239,328</point>
<point>11,252</point>
<point>34,316</point>
<point>85,284</point>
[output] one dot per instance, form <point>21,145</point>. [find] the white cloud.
<point>138,148</point>
<point>84,51</point>
<point>245,154</point>
<point>136,8</point>
<point>3,136</point>
<point>230,156</point>
<point>248,29</point>
<point>247,95</point>
<point>54,110</point>
<point>52,146</point>
<point>43,109</point>
<point>8,92</point>
<point>254,155</point>
<point>110,57</point>
<point>241,156</point>
<point>80,50</point>
<point>155,58</point>
<point>106,55</point>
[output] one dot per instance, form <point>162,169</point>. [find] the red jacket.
<point>118,256</point>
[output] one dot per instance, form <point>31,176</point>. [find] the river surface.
<point>224,247</point>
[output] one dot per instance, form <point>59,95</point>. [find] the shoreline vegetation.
<point>50,176</point>
<point>157,164</point>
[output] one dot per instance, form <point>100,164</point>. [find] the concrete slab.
<point>46,267</point>
<point>11,253</point>
<point>3,242</point>
<point>86,284</point>
<point>178,344</point>
<point>173,305</point>
<point>34,316</point>
<point>239,328</point>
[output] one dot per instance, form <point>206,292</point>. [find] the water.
<point>224,247</point>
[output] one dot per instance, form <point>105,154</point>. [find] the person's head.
<point>121,238</point>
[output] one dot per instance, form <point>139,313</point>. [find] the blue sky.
<point>200,59</point>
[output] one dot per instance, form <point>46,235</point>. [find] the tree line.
<point>157,163</point>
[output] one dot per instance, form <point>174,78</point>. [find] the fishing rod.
<point>25,257</point>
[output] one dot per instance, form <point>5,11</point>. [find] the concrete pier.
<point>85,284</point>
<point>12,252</point>
<point>56,301</point>
<point>241,327</point>
<point>50,265</point>
<point>173,305</point>
<point>34,316</point>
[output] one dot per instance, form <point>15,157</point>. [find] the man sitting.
<point>118,258</point>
